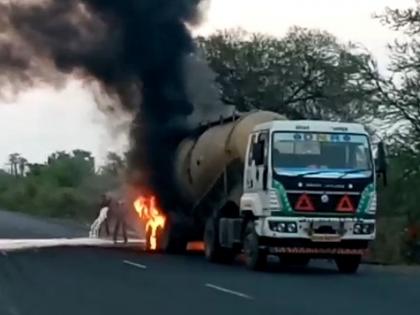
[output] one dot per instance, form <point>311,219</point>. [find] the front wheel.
<point>255,257</point>
<point>348,264</point>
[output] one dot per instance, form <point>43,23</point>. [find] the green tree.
<point>35,169</point>
<point>85,156</point>
<point>399,94</point>
<point>59,155</point>
<point>69,170</point>
<point>307,74</point>
<point>114,164</point>
<point>65,186</point>
<point>14,162</point>
<point>22,162</point>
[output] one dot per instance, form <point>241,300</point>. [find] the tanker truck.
<point>257,184</point>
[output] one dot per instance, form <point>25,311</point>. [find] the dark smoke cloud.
<point>140,51</point>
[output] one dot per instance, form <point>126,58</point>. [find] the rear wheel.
<point>348,264</point>
<point>212,249</point>
<point>255,257</point>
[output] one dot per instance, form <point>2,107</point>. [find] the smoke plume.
<point>140,51</point>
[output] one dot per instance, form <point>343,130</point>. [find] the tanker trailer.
<point>262,185</point>
<point>208,174</point>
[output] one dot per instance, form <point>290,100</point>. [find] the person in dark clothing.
<point>119,212</point>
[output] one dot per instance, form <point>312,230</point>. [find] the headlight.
<point>363,229</point>
<point>292,228</point>
<point>366,229</point>
<point>283,227</point>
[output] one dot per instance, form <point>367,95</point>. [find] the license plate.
<point>334,225</point>
<point>326,238</point>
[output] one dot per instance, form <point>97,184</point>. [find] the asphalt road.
<point>21,226</point>
<point>128,281</point>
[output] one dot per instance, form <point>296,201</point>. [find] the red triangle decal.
<point>345,205</point>
<point>304,203</point>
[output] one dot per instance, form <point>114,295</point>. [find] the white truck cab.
<point>309,191</point>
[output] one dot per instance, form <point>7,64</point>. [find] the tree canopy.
<point>399,97</point>
<point>308,74</point>
<point>66,185</point>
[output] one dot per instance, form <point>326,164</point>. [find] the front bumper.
<point>339,229</point>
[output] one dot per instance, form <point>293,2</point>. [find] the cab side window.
<point>259,146</point>
<point>251,149</point>
<point>263,140</point>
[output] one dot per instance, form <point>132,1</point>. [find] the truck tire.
<point>212,249</point>
<point>255,258</point>
<point>148,245</point>
<point>348,264</point>
<point>171,242</point>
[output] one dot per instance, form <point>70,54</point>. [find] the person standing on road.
<point>105,200</point>
<point>120,213</point>
<point>101,219</point>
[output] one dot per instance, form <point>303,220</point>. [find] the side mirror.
<point>258,153</point>
<point>381,163</point>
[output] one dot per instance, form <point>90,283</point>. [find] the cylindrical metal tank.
<point>200,161</point>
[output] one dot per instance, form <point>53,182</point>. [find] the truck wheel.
<point>148,245</point>
<point>255,258</point>
<point>212,249</point>
<point>172,239</point>
<point>348,264</point>
<point>169,240</point>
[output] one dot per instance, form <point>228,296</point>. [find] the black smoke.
<point>136,49</point>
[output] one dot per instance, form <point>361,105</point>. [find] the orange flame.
<point>195,246</point>
<point>154,218</point>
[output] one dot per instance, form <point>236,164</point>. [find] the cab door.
<point>256,175</point>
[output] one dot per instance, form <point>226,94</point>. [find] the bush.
<point>65,187</point>
<point>390,245</point>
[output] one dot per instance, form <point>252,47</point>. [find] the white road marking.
<point>22,244</point>
<point>242,295</point>
<point>134,264</point>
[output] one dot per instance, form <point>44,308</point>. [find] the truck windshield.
<point>321,153</point>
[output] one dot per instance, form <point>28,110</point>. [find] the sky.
<point>42,121</point>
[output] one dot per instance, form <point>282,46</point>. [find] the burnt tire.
<point>170,239</point>
<point>213,251</point>
<point>348,264</point>
<point>148,245</point>
<point>255,257</point>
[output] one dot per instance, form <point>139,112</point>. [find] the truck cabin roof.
<point>312,126</point>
